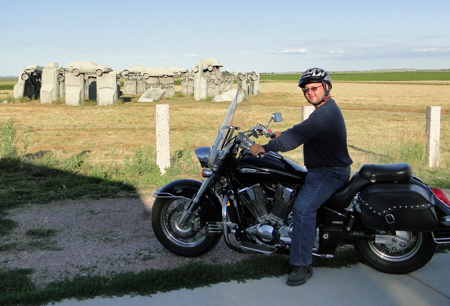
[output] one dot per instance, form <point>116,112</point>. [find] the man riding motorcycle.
<point>324,139</point>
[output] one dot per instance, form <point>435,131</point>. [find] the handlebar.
<point>259,130</point>
<point>244,141</point>
<point>264,130</point>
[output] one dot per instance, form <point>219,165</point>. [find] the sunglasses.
<point>313,89</point>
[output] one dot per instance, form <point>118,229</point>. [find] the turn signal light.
<point>206,173</point>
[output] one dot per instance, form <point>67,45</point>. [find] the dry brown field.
<point>378,116</point>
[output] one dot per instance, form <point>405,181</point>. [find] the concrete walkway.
<point>356,285</point>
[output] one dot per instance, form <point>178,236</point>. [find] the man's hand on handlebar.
<point>276,134</point>
<point>257,149</point>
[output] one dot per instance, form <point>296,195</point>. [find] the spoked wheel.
<point>189,240</point>
<point>402,253</point>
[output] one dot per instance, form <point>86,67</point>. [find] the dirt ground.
<point>101,237</point>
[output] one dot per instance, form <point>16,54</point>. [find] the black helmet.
<point>315,75</point>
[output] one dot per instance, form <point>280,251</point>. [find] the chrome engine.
<point>273,223</point>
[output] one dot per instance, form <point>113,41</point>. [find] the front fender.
<point>211,204</point>
<point>178,189</point>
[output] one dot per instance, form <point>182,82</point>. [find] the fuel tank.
<point>270,168</point>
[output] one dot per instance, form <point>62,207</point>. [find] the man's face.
<point>314,92</point>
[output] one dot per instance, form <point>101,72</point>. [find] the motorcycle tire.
<point>406,252</point>
<point>189,241</point>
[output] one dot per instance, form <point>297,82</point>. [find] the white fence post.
<point>433,132</point>
<point>306,111</point>
<point>162,137</point>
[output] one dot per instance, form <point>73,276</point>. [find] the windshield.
<point>223,131</point>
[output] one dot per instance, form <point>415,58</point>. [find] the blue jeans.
<point>319,185</point>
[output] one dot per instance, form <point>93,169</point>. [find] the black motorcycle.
<point>393,219</point>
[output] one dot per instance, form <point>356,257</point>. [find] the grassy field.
<point>380,119</point>
<point>371,76</point>
<point>7,84</point>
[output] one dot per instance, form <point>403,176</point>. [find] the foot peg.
<point>258,248</point>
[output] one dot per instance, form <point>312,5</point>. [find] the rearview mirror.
<point>277,117</point>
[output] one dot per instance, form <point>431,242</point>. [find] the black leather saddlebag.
<point>397,207</point>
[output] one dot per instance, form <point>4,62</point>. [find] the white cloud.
<point>336,52</point>
<point>431,50</point>
<point>293,51</point>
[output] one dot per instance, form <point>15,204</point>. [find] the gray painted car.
<point>87,68</point>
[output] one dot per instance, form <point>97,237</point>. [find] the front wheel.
<point>190,240</point>
<point>402,253</point>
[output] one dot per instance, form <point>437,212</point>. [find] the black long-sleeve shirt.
<point>323,135</point>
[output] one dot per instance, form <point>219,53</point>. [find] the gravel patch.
<point>101,237</point>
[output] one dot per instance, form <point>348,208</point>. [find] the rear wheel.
<point>190,240</point>
<point>402,253</point>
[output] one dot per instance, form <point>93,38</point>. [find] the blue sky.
<point>265,36</point>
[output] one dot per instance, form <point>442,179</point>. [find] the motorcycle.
<point>393,219</point>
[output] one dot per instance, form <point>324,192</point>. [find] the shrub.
<point>8,148</point>
<point>141,163</point>
<point>8,137</point>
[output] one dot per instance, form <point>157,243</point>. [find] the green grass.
<point>17,289</point>
<point>369,76</point>
<point>402,76</point>
<point>7,84</point>
<point>45,180</point>
<point>39,184</point>
<point>6,226</point>
<point>41,232</point>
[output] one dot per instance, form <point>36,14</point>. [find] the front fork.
<point>191,209</point>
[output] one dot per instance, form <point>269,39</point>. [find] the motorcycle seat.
<point>344,195</point>
<point>369,174</point>
<point>393,173</point>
